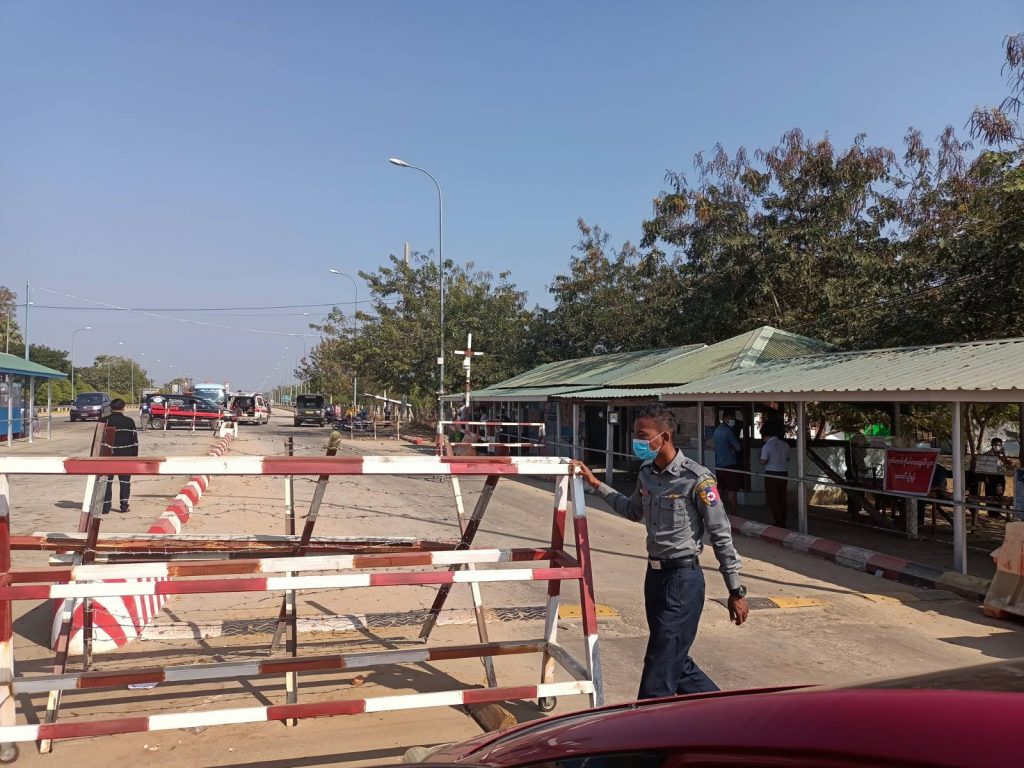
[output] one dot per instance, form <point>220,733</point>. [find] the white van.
<point>250,408</point>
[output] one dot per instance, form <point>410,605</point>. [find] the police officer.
<point>677,499</point>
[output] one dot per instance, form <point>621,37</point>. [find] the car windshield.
<point>310,401</point>
<point>89,398</point>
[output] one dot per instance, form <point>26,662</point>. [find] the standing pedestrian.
<point>677,500</point>
<point>728,449</point>
<point>775,458</point>
<point>123,442</point>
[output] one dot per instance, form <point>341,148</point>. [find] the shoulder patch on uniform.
<point>707,490</point>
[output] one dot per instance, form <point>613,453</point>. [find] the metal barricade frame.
<point>244,571</point>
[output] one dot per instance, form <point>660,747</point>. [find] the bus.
<point>215,393</point>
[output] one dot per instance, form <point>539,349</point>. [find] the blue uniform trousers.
<point>674,601</point>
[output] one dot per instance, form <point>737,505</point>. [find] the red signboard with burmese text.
<point>910,470</point>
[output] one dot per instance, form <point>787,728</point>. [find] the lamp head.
<point>400,163</point>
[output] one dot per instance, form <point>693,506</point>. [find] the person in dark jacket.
<point>120,438</point>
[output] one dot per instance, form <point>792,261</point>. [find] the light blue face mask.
<point>642,449</point>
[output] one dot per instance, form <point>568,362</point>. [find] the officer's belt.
<point>671,564</point>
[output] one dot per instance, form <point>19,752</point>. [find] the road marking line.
<point>572,611</point>
<point>797,602</point>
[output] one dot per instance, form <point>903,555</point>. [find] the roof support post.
<point>576,431</point>
<point>801,452</point>
<point>10,412</point>
<point>700,433</point>
<point>959,512</point>
<point>609,445</point>
<point>558,428</point>
<point>49,409</point>
<point>28,412</point>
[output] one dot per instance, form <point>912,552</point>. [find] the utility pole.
<point>467,361</point>
<point>27,304</point>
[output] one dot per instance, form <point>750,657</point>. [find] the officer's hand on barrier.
<point>738,610</point>
<point>588,477</point>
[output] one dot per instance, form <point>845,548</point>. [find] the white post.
<point>609,447</point>
<point>558,429</point>
<point>10,412</point>
<point>700,433</point>
<point>28,414</point>
<point>49,409</point>
<point>575,430</point>
<point>959,513</point>
<point>801,452</point>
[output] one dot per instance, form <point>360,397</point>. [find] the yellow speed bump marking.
<point>573,611</point>
<point>797,602</point>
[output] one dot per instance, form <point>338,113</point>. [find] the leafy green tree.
<point>608,301</point>
<point>113,373</point>
<point>394,345</point>
<point>12,340</point>
<point>794,237</point>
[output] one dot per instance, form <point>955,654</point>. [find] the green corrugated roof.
<point>748,349</point>
<point>594,370</point>
<point>982,366</point>
<point>20,367</point>
<point>613,393</point>
<point>502,392</point>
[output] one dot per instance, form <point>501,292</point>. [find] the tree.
<point>797,237</point>
<point>608,301</point>
<point>12,338</point>
<point>394,346</point>
<point>113,373</point>
<point>999,126</point>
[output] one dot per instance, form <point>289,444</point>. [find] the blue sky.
<point>197,154</point>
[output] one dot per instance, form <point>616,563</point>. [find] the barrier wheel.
<point>10,754</point>
<point>547,703</point>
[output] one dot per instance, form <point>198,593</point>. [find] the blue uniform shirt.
<point>727,446</point>
<point>678,505</point>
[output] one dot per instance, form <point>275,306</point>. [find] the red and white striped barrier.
<point>238,715</point>
<point>117,620</point>
<point>131,582</point>
<point>284,465</point>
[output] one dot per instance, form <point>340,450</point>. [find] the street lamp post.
<point>77,330</point>
<point>355,328</point>
<point>440,263</point>
<point>305,352</point>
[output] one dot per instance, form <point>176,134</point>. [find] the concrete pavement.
<point>812,621</point>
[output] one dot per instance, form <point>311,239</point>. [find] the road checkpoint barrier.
<point>488,433</point>
<point>1006,592</point>
<point>116,621</point>
<point>142,569</point>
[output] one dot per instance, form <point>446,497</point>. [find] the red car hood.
<point>881,727</point>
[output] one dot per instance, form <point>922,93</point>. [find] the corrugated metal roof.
<point>614,393</point>
<point>982,366</point>
<point>20,367</point>
<point>596,369</point>
<point>747,349</point>
<point>538,394</point>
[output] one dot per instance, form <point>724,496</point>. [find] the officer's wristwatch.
<point>740,591</point>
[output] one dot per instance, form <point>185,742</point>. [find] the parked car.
<point>178,410</point>
<point>310,408</point>
<point>251,408</point>
<point>144,405</point>
<point>774,728</point>
<point>90,405</point>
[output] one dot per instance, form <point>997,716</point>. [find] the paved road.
<point>834,625</point>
